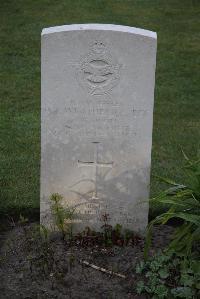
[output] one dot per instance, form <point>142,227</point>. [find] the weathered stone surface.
<point>97,116</point>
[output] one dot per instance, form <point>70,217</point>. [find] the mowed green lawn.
<point>177,106</point>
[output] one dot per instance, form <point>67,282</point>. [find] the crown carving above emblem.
<point>98,47</point>
<point>98,70</point>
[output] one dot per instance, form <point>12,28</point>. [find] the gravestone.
<point>96,122</point>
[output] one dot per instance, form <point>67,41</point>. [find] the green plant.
<point>63,216</point>
<point>107,230</point>
<point>184,201</point>
<point>44,233</point>
<point>118,230</point>
<point>168,276</point>
<point>22,220</point>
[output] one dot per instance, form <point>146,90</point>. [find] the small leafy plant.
<point>184,201</point>
<point>168,276</point>
<point>107,230</point>
<point>63,216</point>
<point>23,222</point>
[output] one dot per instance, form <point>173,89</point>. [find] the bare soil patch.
<point>31,268</point>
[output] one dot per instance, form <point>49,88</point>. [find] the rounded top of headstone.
<point>107,27</point>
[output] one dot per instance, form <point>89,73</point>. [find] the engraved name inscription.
<point>94,121</point>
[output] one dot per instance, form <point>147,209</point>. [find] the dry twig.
<point>102,269</point>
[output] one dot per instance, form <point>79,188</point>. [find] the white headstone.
<point>97,116</point>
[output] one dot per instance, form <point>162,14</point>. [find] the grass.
<point>177,108</point>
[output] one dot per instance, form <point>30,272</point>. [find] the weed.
<point>63,216</point>
<point>107,229</point>
<point>168,276</point>
<point>184,201</point>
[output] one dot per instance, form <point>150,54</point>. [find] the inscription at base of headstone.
<point>96,122</point>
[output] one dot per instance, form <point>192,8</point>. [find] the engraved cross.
<point>95,164</point>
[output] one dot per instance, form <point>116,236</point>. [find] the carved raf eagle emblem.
<point>98,71</point>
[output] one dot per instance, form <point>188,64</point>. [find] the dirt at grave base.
<point>23,275</point>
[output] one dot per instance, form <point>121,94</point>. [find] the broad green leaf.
<point>164,273</point>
